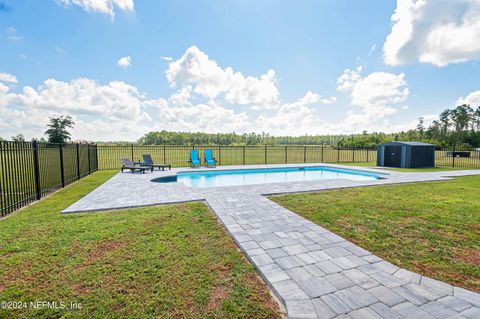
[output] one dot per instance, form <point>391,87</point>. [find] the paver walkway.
<point>315,273</point>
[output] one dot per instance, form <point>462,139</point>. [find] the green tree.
<point>18,138</point>
<point>476,119</point>
<point>57,129</point>
<point>421,126</point>
<point>461,116</point>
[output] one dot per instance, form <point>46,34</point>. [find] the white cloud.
<point>473,99</point>
<point>374,94</point>
<point>12,34</point>
<point>205,117</point>
<point>293,118</point>
<point>80,96</point>
<point>209,80</point>
<point>378,90</point>
<point>182,97</point>
<point>347,80</point>
<point>5,77</point>
<point>328,100</point>
<point>102,6</point>
<point>439,32</point>
<point>125,62</point>
<point>166,58</point>
<point>59,49</point>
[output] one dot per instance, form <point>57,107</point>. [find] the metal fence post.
<point>164,155</point>
<point>322,154</point>
<point>453,156</point>
<point>133,159</point>
<point>88,152</point>
<point>353,154</point>
<point>304,154</point>
<point>367,154</point>
<point>96,156</point>
<point>244,155</point>
<point>338,153</point>
<point>78,160</point>
<point>219,155</point>
<point>62,174</point>
<point>286,160</point>
<point>36,168</point>
<point>2,192</point>
<point>266,154</point>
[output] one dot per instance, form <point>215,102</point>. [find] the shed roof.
<point>408,143</point>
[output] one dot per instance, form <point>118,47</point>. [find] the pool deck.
<point>314,272</point>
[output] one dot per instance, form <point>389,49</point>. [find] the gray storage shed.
<point>406,154</point>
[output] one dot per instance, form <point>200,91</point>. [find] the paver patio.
<point>314,272</point>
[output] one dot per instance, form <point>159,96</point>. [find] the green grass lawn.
<point>430,228</point>
<point>172,261</point>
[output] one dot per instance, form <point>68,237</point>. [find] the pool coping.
<point>381,174</point>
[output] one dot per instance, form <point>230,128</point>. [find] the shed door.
<point>393,156</point>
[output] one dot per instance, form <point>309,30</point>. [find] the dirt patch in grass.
<point>80,289</point>
<point>468,255</point>
<point>218,295</point>
<point>103,248</point>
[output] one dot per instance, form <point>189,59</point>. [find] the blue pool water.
<point>216,178</point>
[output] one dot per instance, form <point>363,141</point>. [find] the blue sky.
<point>204,65</point>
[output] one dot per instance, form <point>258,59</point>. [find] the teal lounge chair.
<point>210,161</point>
<point>194,159</point>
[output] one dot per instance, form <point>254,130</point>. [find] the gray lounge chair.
<point>148,161</point>
<point>128,164</point>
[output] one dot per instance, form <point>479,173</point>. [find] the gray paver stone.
<point>301,309</point>
<point>387,296</point>
<point>316,287</point>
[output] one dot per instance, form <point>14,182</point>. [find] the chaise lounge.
<point>210,161</point>
<point>128,164</point>
<point>148,161</point>
<point>194,159</point>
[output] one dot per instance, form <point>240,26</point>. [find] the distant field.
<point>177,156</point>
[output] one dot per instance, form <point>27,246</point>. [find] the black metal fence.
<point>458,157</point>
<point>178,155</point>
<point>30,170</point>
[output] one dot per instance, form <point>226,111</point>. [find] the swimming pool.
<point>216,178</point>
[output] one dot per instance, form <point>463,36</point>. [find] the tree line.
<point>200,138</point>
<point>458,126</point>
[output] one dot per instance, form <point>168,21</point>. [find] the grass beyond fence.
<point>178,156</point>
